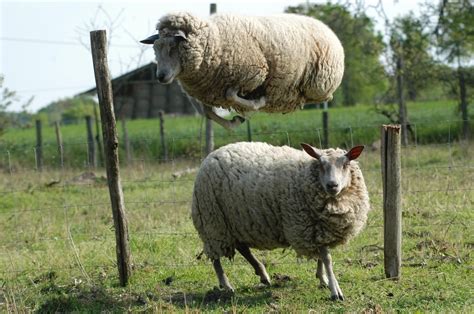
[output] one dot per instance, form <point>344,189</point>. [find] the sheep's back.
<point>237,195</point>
<point>291,59</point>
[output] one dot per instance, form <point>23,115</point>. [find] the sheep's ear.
<point>310,150</point>
<point>180,35</point>
<point>150,40</point>
<point>355,152</point>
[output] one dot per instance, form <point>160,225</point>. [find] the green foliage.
<point>364,76</point>
<point>455,29</point>
<point>410,41</point>
<point>69,110</point>
<point>12,119</point>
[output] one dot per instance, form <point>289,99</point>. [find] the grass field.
<point>57,242</point>
<point>433,122</point>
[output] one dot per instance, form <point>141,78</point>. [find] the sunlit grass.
<point>58,246</point>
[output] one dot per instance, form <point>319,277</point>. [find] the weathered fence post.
<point>164,149</point>
<point>109,133</point>
<point>97,137</point>
<point>209,127</point>
<point>325,129</point>
<point>90,143</point>
<point>10,170</point>
<point>126,141</point>
<point>249,131</point>
<point>59,141</point>
<point>39,146</point>
<point>392,199</point>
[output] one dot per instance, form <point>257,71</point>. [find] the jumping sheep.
<point>273,64</point>
<point>254,195</point>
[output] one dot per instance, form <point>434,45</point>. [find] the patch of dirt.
<point>279,280</point>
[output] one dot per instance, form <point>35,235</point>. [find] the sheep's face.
<point>334,172</point>
<point>167,58</point>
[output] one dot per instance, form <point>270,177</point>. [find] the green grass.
<point>57,245</point>
<point>433,122</point>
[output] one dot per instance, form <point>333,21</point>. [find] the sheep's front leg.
<point>321,274</point>
<point>336,292</point>
<point>253,104</point>
<point>223,281</point>
<point>228,124</point>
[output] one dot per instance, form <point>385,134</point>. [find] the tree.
<point>69,110</point>
<point>8,119</point>
<point>364,77</point>
<point>454,33</point>
<point>411,41</point>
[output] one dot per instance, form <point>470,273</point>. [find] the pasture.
<point>58,246</point>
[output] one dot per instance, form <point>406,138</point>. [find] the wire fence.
<point>58,218</point>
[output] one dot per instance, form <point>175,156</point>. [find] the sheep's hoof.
<point>238,120</point>
<point>338,297</point>
<point>265,282</point>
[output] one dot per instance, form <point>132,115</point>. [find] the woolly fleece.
<point>289,59</point>
<point>270,197</point>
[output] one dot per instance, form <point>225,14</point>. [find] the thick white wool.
<point>270,197</point>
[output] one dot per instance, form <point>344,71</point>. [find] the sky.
<point>44,45</point>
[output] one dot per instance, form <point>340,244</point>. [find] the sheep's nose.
<point>332,185</point>
<point>161,76</point>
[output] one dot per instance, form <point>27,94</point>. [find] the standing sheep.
<point>265,197</point>
<point>274,64</point>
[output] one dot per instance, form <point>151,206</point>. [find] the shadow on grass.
<point>96,298</point>
<point>251,296</point>
<point>80,298</point>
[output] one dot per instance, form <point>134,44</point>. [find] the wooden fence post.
<point>209,126</point>
<point>59,141</point>
<point>109,133</point>
<point>97,137</point>
<point>126,141</point>
<point>9,163</point>
<point>90,143</point>
<point>164,149</point>
<point>249,131</point>
<point>392,199</point>
<point>325,129</point>
<point>39,145</point>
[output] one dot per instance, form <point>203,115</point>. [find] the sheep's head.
<point>334,172</point>
<point>166,47</point>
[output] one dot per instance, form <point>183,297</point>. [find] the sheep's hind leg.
<point>256,264</point>
<point>321,274</point>
<point>254,104</point>
<point>223,280</point>
<point>228,124</point>
<point>336,292</point>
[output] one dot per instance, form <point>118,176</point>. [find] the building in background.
<point>137,95</point>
